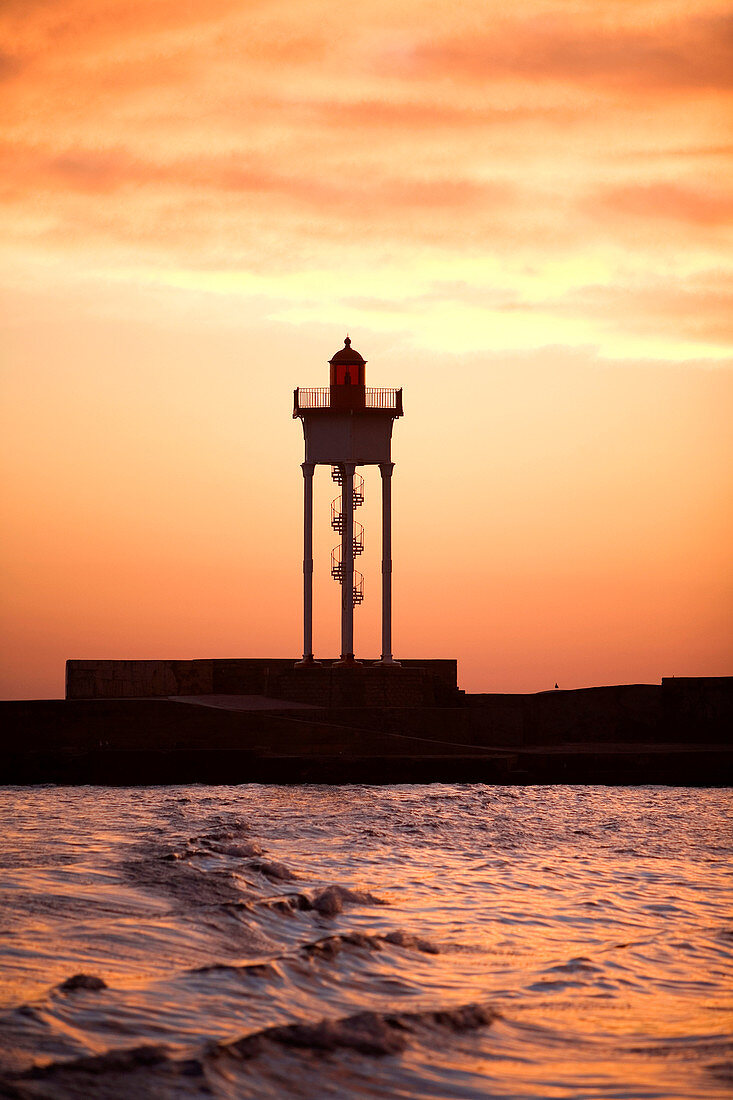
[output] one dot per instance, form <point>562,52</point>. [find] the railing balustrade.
<point>312,397</point>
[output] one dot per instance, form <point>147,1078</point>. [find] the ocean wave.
<point>151,1070</point>
<point>345,943</point>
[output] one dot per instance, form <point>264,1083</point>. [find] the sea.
<point>439,941</point>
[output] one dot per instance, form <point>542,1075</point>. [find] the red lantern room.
<point>348,382</point>
<point>347,367</point>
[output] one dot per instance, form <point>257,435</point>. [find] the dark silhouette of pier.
<point>238,721</point>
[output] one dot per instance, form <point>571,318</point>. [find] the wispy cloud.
<point>693,206</point>
<point>693,53</point>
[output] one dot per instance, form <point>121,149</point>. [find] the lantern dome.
<point>347,356</point>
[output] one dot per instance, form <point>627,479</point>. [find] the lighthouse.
<point>346,425</point>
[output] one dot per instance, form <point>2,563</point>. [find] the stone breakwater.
<point>677,732</point>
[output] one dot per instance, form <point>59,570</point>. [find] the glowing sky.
<point>521,213</point>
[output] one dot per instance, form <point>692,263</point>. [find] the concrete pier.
<point>240,721</point>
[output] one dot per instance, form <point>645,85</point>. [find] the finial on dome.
<point>347,341</point>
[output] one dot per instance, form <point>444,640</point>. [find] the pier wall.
<point>415,683</point>
<point>676,732</point>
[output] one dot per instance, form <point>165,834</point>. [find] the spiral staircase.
<point>337,522</point>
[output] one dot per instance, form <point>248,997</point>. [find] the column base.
<point>388,662</point>
<point>347,660</point>
<point>308,661</point>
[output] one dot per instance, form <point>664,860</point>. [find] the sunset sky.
<point>522,214</point>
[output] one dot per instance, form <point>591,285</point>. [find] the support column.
<point>347,564</point>
<point>307,468</point>
<point>385,469</point>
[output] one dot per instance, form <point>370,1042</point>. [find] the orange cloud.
<point>668,200</point>
<point>383,114</point>
<point>102,171</point>
<point>700,307</point>
<point>679,54</point>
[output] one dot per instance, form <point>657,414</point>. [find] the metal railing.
<point>310,397</point>
<point>383,399</point>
